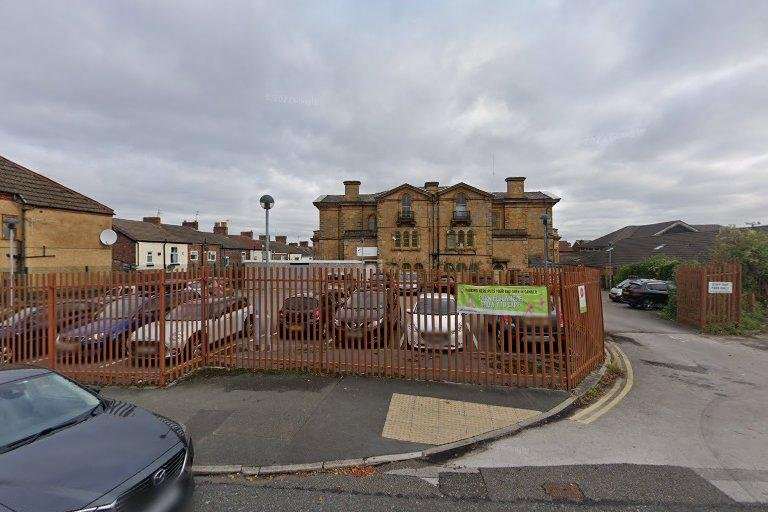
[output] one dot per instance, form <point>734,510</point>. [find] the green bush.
<point>669,310</point>
<point>747,246</point>
<point>753,321</point>
<point>654,267</point>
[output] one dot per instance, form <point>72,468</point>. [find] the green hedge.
<point>654,267</point>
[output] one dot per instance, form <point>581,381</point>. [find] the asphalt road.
<point>699,402</point>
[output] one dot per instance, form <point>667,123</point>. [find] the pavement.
<point>262,419</point>
<point>698,402</point>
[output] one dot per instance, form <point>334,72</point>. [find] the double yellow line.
<point>615,395</point>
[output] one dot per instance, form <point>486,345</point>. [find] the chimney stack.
<point>516,187</point>
<point>153,220</point>
<point>351,190</point>
<point>263,238</point>
<point>191,224</point>
<point>303,243</point>
<point>220,228</point>
<point>281,239</point>
<point>248,234</point>
<point>293,244</point>
<point>431,186</point>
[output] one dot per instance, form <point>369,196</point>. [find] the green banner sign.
<point>503,300</point>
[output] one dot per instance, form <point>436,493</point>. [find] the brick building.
<point>448,227</point>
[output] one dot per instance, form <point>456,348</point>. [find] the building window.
<point>397,239</point>
<point>474,267</point>
<point>460,267</point>
<point>225,260</point>
<point>192,255</point>
<point>419,267</point>
<point>212,256</point>
<point>150,260</point>
<point>451,239</point>
<point>449,267</point>
<point>372,223</point>
<point>461,240</point>
<point>406,266</point>
<point>460,203</point>
<point>243,255</point>
<point>497,218</point>
<point>470,238</point>
<point>414,238</point>
<point>406,238</point>
<point>174,255</point>
<point>406,203</point>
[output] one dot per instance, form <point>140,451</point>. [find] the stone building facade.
<point>457,227</point>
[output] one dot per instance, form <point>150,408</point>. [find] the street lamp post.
<point>545,221</point>
<point>267,202</point>
<point>610,266</point>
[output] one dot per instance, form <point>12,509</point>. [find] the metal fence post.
<point>565,311</point>
<point>161,323</point>
<point>704,290</point>
<point>51,289</point>
<point>204,292</point>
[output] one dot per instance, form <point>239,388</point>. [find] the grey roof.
<point>37,190</point>
<point>690,246</point>
<point>371,198</point>
<point>658,228</point>
<point>141,231</point>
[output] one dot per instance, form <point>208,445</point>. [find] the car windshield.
<point>300,303</point>
<point>32,406</point>
<point>365,300</point>
<point>190,311</point>
<point>124,307</point>
<point>623,283</point>
<point>436,306</point>
<point>18,316</point>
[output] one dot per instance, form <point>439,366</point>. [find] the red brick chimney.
<point>281,239</point>
<point>263,238</point>
<point>191,224</point>
<point>431,186</point>
<point>248,234</point>
<point>304,243</point>
<point>220,227</point>
<point>153,220</point>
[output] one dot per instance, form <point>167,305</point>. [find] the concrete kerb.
<point>434,454</point>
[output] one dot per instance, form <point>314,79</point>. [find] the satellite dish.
<point>108,237</point>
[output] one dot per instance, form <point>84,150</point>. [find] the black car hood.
<point>73,467</point>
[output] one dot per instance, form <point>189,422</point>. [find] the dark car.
<point>444,284</point>
<point>365,318</point>
<point>24,334</point>
<point>65,448</point>
<point>302,316</point>
<point>646,293</point>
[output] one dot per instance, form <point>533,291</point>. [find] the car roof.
<point>20,371</point>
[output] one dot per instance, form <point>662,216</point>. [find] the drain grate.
<point>564,492</point>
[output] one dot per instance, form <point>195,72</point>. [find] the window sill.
<point>406,249</point>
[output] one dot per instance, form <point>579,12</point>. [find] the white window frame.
<point>211,256</point>
<point>150,259</point>
<point>193,255</point>
<point>174,255</point>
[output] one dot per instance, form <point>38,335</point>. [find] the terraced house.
<point>457,227</point>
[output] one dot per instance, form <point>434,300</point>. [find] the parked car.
<point>65,448</point>
<point>302,315</point>
<point>615,293</point>
<point>646,293</point>
<point>24,334</point>
<point>224,319</point>
<point>365,318</point>
<point>409,283</point>
<point>444,284</point>
<point>532,335</point>
<point>434,323</point>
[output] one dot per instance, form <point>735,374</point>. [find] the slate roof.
<point>644,230</point>
<point>37,190</point>
<point>371,198</point>
<point>142,231</point>
<point>691,246</point>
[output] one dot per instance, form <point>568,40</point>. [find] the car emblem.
<point>159,477</point>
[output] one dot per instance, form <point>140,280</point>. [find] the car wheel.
<point>647,304</point>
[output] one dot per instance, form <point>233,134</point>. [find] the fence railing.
<point>155,327</point>
<point>703,296</point>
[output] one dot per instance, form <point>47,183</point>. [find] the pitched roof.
<point>371,198</point>
<point>643,230</point>
<point>141,231</point>
<point>690,246</point>
<point>37,190</point>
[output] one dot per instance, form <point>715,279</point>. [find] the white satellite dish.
<point>108,237</point>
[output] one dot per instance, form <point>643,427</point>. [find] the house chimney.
<point>263,238</point>
<point>431,186</point>
<point>191,224</point>
<point>304,243</point>
<point>516,187</point>
<point>153,220</point>
<point>220,227</point>
<point>281,239</point>
<point>248,234</point>
<point>351,190</point>
<point>293,244</point>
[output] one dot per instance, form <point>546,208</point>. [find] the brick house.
<point>147,245</point>
<point>448,227</point>
<point>56,228</point>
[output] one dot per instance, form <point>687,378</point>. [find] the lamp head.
<point>267,201</point>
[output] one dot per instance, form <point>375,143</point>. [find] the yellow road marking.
<point>612,398</point>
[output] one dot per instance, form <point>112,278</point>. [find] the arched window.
<point>449,267</point>
<point>406,266</point>
<point>498,266</point>
<point>418,267</point>
<point>406,238</point>
<point>461,240</point>
<point>406,202</point>
<point>397,239</point>
<point>414,238</point>
<point>474,267</point>
<point>451,239</point>
<point>470,238</point>
<point>460,267</point>
<point>372,222</point>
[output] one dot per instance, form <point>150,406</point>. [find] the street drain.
<point>564,492</point>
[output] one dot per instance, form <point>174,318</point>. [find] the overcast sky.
<point>632,112</point>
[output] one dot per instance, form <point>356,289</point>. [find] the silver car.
<point>435,324</point>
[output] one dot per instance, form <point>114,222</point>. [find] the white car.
<point>433,323</point>
<point>615,293</point>
<point>226,319</point>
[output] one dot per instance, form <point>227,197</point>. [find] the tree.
<point>748,247</point>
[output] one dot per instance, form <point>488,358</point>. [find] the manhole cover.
<point>564,492</point>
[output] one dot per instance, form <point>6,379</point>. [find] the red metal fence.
<point>156,327</point>
<point>701,307</point>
